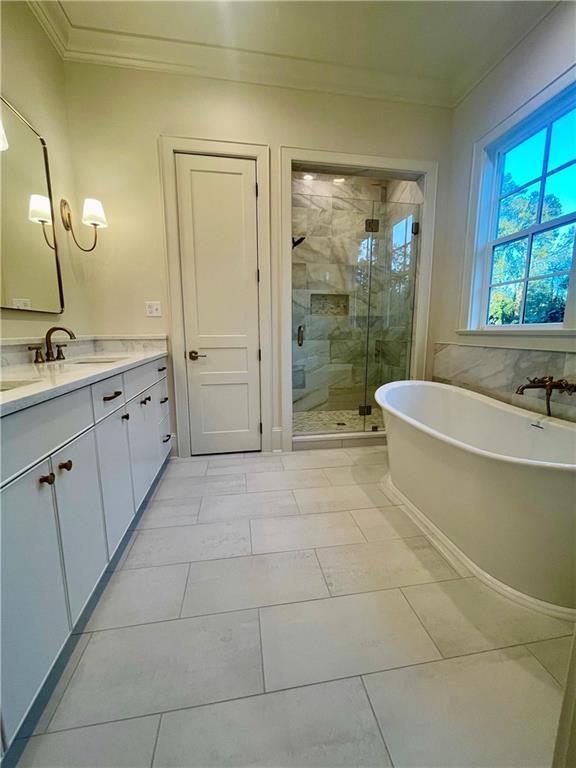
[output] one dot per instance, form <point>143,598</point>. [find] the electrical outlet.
<point>153,309</point>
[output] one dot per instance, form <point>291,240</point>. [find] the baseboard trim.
<point>456,556</point>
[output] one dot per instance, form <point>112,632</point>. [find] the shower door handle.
<point>300,335</point>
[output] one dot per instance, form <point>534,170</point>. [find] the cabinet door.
<point>115,475</point>
<point>141,419</point>
<point>34,614</point>
<point>81,519</point>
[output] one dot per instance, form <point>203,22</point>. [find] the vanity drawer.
<point>140,378</point>
<point>107,396</point>
<point>30,434</point>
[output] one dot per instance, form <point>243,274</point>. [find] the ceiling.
<point>430,52</point>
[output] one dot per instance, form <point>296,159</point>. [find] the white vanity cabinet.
<point>115,475</point>
<point>75,470</point>
<point>81,519</point>
<point>35,621</point>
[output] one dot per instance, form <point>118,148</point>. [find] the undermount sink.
<point>6,386</point>
<point>96,360</point>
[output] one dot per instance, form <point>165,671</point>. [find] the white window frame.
<point>483,210</point>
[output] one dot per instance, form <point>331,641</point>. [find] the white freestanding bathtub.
<point>494,484</point>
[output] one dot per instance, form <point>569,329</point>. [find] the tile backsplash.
<point>498,372</point>
<point>15,351</point>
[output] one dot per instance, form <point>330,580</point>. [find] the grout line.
<point>424,627</point>
<point>156,740</point>
<point>278,690</point>
<point>323,574</point>
<point>531,652</point>
<point>376,720</point>
<point>184,592</point>
<point>49,723</point>
<point>261,651</point>
<point>251,538</point>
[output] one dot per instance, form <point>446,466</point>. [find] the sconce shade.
<point>3,139</point>
<point>93,213</point>
<point>39,209</point>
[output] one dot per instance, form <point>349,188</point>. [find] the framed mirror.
<point>31,278</point>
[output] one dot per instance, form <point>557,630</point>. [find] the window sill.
<point>511,332</point>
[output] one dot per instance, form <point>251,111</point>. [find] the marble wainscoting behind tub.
<point>498,372</point>
<point>15,351</point>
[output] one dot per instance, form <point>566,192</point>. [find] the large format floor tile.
<point>249,582</point>
<point>554,655</point>
<point>239,466</point>
<point>248,505</point>
<point>314,500</point>
<point>332,457</point>
<point>385,523</point>
<point>304,532</point>
<point>163,546</point>
<point>140,596</point>
<point>157,667</point>
<point>498,709</point>
<point>186,469</point>
<point>340,637</point>
<point>285,481</point>
<point>124,744</point>
<point>465,616</point>
<point>160,514</point>
<point>194,487</point>
<point>382,565</point>
<point>319,726</point>
<point>359,474</point>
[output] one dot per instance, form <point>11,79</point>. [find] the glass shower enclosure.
<point>354,260</point>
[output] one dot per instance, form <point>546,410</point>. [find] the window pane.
<point>518,211</point>
<point>504,304</point>
<point>509,261</point>
<point>523,163</point>
<point>553,250</point>
<point>563,141</point>
<point>560,194</point>
<point>546,300</point>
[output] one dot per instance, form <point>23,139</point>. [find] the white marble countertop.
<point>49,380</point>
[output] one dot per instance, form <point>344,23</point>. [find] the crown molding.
<point>162,55</point>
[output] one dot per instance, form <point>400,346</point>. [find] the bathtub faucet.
<point>549,384</point>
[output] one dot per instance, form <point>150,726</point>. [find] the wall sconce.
<point>92,215</point>
<point>40,212</point>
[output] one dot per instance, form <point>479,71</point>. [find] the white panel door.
<point>219,261</point>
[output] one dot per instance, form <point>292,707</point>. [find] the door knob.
<point>67,465</point>
<point>193,355</point>
<point>48,479</point>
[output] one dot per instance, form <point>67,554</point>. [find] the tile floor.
<point>283,610</point>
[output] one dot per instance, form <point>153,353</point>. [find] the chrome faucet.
<point>49,351</point>
<point>549,384</point>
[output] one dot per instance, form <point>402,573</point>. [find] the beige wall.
<point>33,80</point>
<point>546,53</point>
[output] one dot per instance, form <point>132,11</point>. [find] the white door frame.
<point>169,146</point>
<point>429,170</point>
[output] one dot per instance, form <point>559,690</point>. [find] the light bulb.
<point>93,213</point>
<point>39,210</point>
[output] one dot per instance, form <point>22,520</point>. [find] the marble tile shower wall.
<point>498,372</point>
<point>329,369</point>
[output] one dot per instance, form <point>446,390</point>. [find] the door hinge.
<point>256,189</point>
<point>372,225</point>
<point>415,227</point>
<point>258,275</point>
<point>259,354</point>
<point>260,426</point>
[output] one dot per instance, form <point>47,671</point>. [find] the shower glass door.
<point>353,271</point>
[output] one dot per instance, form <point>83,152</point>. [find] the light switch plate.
<point>153,309</point>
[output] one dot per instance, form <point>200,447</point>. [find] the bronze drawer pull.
<point>165,439</point>
<point>116,394</point>
<point>164,400</point>
<point>146,400</point>
<point>67,465</point>
<point>48,479</point>
<point>162,369</point>
<point>125,416</point>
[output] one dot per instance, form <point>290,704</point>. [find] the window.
<point>529,222</point>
